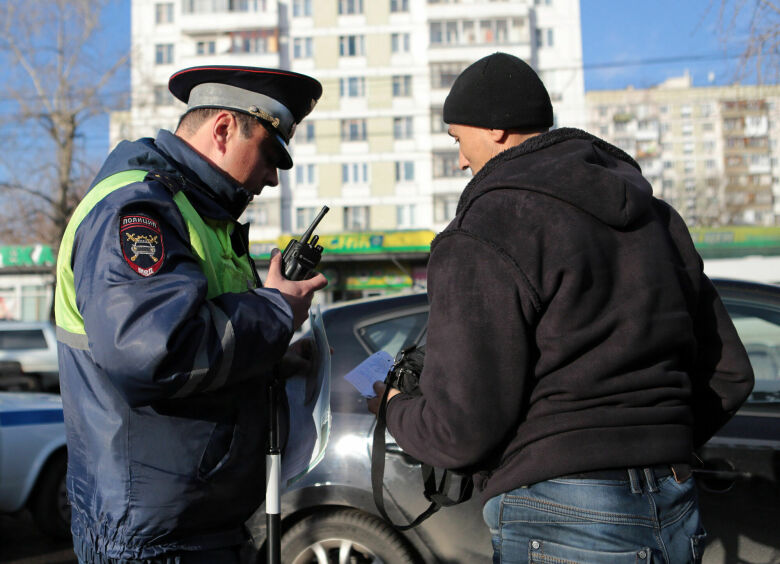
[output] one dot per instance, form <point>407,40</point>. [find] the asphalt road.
<point>22,543</point>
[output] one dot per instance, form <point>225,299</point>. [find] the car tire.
<point>49,504</point>
<point>325,536</point>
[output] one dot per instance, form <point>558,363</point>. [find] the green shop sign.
<point>356,243</point>
<point>33,255</point>
<point>718,242</point>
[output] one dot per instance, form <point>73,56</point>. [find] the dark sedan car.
<point>330,515</point>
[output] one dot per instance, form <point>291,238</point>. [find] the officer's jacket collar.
<point>206,184</point>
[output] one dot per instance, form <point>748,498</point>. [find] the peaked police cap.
<point>279,98</point>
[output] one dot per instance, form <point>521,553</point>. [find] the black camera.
<point>405,373</point>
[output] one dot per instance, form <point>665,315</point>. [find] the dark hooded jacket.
<point>571,325</point>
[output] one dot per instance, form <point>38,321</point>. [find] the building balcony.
<point>647,134</point>
<point>222,21</point>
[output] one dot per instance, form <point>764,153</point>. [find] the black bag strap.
<point>433,493</point>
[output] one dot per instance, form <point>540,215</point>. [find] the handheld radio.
<point>301,257</point>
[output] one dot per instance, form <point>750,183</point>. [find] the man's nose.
<point>463,162</point>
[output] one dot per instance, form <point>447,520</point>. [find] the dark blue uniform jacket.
<point>165,412</point>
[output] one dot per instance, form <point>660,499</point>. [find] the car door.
<point>738,485</point>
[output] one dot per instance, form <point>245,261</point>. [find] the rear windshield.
<point>22,339</point>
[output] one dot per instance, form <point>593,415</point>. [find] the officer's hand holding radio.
<point>297,293</point>
<point>297,263</point>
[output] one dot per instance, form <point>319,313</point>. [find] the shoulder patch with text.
<point>142,243</point>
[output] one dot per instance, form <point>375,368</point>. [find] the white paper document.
<point>309,421</point>
<point>373,369</point>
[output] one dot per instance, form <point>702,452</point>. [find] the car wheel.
<point>49,505</point>
<point>343,535</point>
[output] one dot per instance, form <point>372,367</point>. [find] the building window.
<point>257,214</point>
<point>445,165</point>
<point>403,127</point>
<point>212,7</point>
<point>353,130</point>
<point>163,13</point>
<point>402,86</point>
<point>437,121</point>
<point>405,215</point>
<point>305,174</point>
<point>349,7</point>
<point>354,173</point>
<point>163,54</point>
<point>259,41</point>
<point>544,38</point>
<point>404,171</point>
<point>304,217</point>
<point>444,74</point>
<point>206,47</point>
<point>478,32</point>
<point>305,132</point>
<point>356,218</point>
<point>399,6</point>
<point>303,48</point>
<point>400,42</point>
<point>162,96</point>
<point>351,46</point>
<point>301,8</point>
<point>444,207</point>
<point>353,87</point>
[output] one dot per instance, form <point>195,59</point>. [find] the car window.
<point>392,335</point>
<point>759,330</point>
<point>22,339</point>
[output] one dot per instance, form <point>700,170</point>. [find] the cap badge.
<point>262,114</point>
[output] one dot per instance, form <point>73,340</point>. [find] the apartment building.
<point>375,149</point>
<point>711,152</point>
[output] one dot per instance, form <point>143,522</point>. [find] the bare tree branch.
<point>751,27</point>
<point>57,80</point>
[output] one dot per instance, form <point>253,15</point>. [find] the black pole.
<point>273,470</point>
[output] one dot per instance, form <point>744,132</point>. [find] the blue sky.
<point>622,32</point>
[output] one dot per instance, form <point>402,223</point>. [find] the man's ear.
<point>498,135</point>
<point>222,128</point>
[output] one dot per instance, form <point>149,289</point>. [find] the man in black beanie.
<point>576,353</point>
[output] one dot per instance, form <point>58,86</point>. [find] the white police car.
<point>33,460</point>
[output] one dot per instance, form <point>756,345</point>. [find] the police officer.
<point>167,337</point>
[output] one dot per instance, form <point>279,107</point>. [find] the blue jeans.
<point>638,520</point>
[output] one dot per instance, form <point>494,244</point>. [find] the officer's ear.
<point>222,128</point>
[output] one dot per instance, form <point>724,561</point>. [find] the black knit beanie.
<point>499,91</point>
